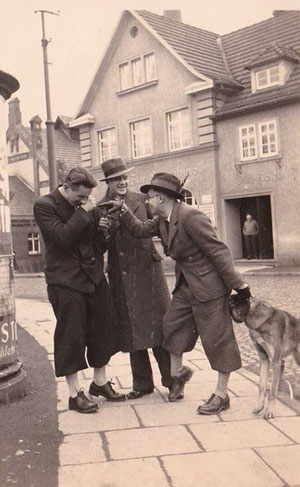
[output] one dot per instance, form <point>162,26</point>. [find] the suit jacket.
<point>205,261</point>
<point>74,245</point>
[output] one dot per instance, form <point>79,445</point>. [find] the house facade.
<point>29,178</point>
<point>171,97</point>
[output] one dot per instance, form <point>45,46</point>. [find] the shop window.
<point>179,129</point>
<point>138,71</point>
<point>34,244</point>
<point>107,141</point>
<point>141,138</point>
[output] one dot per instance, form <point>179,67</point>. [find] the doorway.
<point>235,215</point>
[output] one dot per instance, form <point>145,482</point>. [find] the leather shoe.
<point>214,405</point>
<point>181,395</point>
<point>178,383</point>
<point>106,391</point>
<point>82,404</point>
<point>136,394</point>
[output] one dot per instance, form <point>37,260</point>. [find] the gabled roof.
<point>221,59</point>
<point>200,51</point>
<point>22,198</point>
<point>273,52</point>
<point>67,150</point>
<point>199,48</point>
<point>244,45</point>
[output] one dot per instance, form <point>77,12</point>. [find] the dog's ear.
<point>259,313</point>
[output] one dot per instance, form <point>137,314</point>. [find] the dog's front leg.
<point>269,413</point>
<point>263,381</point>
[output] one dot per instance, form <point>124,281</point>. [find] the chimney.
<point>14,114</point>
<point>173,14</point>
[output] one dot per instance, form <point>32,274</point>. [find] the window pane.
<point>137,71</point>
<point>125,80</point>
<point>179,129</point>
<point>107,144</point>
<point>150,67</point>
<point>141,138</point>
<point>248,142</point>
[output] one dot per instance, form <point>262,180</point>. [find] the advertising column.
<point>11,371</point>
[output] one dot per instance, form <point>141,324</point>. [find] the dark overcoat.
<point>138,284</point>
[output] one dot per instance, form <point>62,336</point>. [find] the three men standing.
<point>138,286</point>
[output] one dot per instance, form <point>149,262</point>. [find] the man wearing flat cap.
<point>138,285</point>
<point>205,276</point>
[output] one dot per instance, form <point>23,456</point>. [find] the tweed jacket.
<point>205,261</point>
<point>74,244</point>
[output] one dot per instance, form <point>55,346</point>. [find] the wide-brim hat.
<point>112,168</point>
<point>165,182</point>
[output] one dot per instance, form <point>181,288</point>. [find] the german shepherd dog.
<point>275,334</point>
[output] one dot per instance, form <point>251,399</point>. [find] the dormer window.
<point>272,66</point>
<point>138,72</point>
<point>267,77</point>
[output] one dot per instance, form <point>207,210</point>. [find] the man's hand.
<point>104,223</point>
<point>114,206</point>
<point>89,205</point>
<point>244,292</point>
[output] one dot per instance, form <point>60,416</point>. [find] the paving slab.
<point>180,412</point>
<point>120,358</point>
<point>238,434</point>
<point>242,407</point>
<point>129,473</point>
<point>148,442</point>
<point>197,391</point>
<point>104,419</point>
<point>82,448</point>
<point>284,461</point>
<point>202,364</point>
<point>289,426</point>
<point>243,388</point>
<point>222,469</point>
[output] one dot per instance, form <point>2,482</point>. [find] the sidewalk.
<point>153,443</point>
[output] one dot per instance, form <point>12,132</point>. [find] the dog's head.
<point>238,308</point>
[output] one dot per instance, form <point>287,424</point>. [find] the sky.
<point>81,34</point>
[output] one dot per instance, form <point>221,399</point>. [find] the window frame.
<point>130,63</point>
<point>269,154</point>
<point>269,84</point>
<point>33,240</point>
<point>105,129</point>
<point>248,158</point>
<point>132,143</point>
<point>179,110</point>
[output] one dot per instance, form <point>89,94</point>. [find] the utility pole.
<point>49,121</point>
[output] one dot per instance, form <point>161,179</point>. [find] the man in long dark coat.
<point>77,287</point>
<point>205,276</point>
<point>139,287</point>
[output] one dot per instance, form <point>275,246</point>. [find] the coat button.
<point>124,273</point>
<point>190,259</point>
<point>121,254</point>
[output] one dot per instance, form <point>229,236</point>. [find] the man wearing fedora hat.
<point>138,285</point>
<point>205,276</point>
